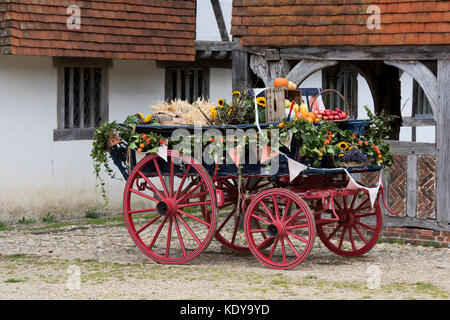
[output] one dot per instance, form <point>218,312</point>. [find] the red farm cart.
<point>175,205</point>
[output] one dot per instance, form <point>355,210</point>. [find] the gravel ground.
<point>100,261</point>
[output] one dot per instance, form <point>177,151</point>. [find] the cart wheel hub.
<point>275,230</point>
<point>166,207</point>
<point>348,219</point>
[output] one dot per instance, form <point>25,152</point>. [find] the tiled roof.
<point>121,29</point>
<point>282,23</point>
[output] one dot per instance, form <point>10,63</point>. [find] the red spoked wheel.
<point>231,218</point>
<point>279,228</point>
<point>358,228</point>
<point>170,208</point>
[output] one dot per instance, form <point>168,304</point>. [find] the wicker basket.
<point>347,106</point>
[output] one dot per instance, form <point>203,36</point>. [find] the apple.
<point>325,118</point>
<point>336,117</point>
<point>344,114</point>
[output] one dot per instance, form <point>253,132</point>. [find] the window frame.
<point>168,87</point>
<point>420,103</point>
<point>332,74</point>
<point>69,134</point>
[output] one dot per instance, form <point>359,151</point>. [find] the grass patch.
<point>16,256</point>
<point>399,241</point>
<point>310,277</point>
<point>89,222</point>
<point>3,227</point>
<point>24,220</point>
<point>13,280</point>
<point>93,214</point>
<point>425,285</point>
<point>431,289</point>
<point>48,218</point>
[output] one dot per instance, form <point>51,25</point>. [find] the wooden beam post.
<point>220,21</point>
<point>268,70</point>
<point>443,143</point>
<point>241,72</point>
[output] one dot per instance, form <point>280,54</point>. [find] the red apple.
<point>325,118</point>
<point>344,114</point>
<point>336,117</point>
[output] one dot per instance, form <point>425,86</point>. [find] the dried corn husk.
<point>181,111</point>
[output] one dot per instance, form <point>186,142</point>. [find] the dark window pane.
<point>174,84</point>
<point>87,97</point>
<point>97,96</point>
<point>192,93</point>
<point>200,83</point>
<point>183,85</point>
<point>66,97</point>
<point>76,98</point>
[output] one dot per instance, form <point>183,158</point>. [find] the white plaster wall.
<point>207,28</point>
<point>39,175</point>
<point>220,84</point>
<point>364,98</point>
<point>423,134</point>
<point>406,83</point>
<point>133,87</point>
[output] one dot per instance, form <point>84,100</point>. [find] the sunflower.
<point>141,115</point>
<point>229,111</point>
<point>350,148</point>
<point>148,118</point>
<point>220,103</point>
<point>237,93</point>
<point>343,145</point>
<point>213,113</point>
<point>261,101</point>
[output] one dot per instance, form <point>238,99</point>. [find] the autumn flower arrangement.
<point>327,140</point>
<point>240,110</point>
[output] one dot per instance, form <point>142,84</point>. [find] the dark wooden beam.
<point>220,21</point>
<point>204,45</point>
<point>199,63</point>
<point>429,52</point>
<point>410,222</point>
<point>242,75</point>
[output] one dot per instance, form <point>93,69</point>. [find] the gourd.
<point>284,82</point>
<point>280,82</point>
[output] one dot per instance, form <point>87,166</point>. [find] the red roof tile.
<point>281,23</point>
<point>122,29</point>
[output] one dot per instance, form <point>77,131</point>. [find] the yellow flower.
<point>213,113</point>
<point>236,93</point>
<point>229,111</point>
<point>341,155</point>
<point>220,103</point>
<point>141,115</point>
<point>343,145</point>
<point>261,101</point>
<point>350,148</point>
<point>148,118</point>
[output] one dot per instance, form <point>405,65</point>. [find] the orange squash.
<point>280,82</point>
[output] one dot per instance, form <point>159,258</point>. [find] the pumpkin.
<point>280,82</point>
